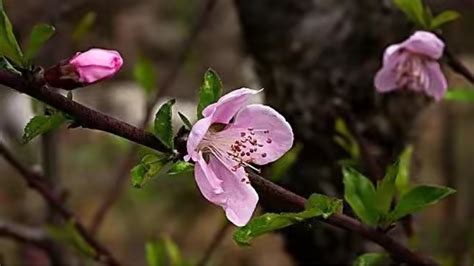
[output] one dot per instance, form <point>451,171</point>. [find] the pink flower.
<point>84,69</point>
<point>413,65</point>
<point>96,64</point>
<point>231,136</point>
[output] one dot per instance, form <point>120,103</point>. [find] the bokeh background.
<point>172,206</point>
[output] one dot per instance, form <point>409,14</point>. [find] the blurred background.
<point>287,47</point>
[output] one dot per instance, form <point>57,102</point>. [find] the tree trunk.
<point>316,60</point>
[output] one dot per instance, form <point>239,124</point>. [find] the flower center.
<point>410,73</point>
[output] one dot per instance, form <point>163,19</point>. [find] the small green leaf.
<point>346,140</point>
<point>186,121</point>
<point>419,198</point>
<point>144,74</point>
<point>279,168</point>
<point>402,181</point>
<point>172,250</point>
<point>149,167</point>
<point>443,18</point>
<point>316,206</point>
<point>386,190</point>
<point>69,235</point>
<point>84,26</point>
<point>180,167</point>
<point>40,34</point>
<point>210,91</point>
<point>41,124</point>
<point>163,128</point>
<point>462,95</point>
<point>415,11</point>
<point>9,45</point>
<point>372,259</point>
<point>155,253</point>
<point>359,192</point>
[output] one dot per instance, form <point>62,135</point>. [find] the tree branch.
<point>268,189</point>
<point>457,66</point>
<point>36,182</point>
<point>24,234</point>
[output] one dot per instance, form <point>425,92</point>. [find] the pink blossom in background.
<point>413,65</point>
<point>96,64</point>
<point>231,136</point>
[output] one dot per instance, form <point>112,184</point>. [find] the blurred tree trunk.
<point>315,58</point>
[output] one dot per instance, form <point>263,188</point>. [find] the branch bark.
<point>36,182</point>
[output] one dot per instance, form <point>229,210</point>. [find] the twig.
<point>24,234</point>
<point>36,182</point>
<point>123,171</point>
<point>265,187</point>
<point>457,66</point>
<point>216,240</point>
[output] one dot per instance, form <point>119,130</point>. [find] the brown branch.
<point>36,182</point>
<point>457,66</point>
<point>265,187</point>
<point>25,234</point>
<point>216,240</point>
<point>123,172</point>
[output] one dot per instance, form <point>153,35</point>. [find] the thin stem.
<point>36,182</point>
<point>216,240</point>
<point>457,66</point>
<point>119,181</point>
<point>24,234</point>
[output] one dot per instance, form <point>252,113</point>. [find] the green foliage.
<point>316,206</point>
<point>402,181</point>
<point>419,198</point>
<point>372,259</point>
<point>180,167</point>
<point>41,124</point>
<point>40,34</point>
<point>346,140</point>
<point>462,95</point>
<point>386,190</point>
<point>359,192</point>
<point>144,73</point>
<point>210,91</point>
<point>279,168</point>
<point>163,128</point>
<point>69,235</point>
<point>444,18</point>
<point>185,120</point>
<point>9,45</point>
<point>84,26</point>
<point>149,166</point>
<point>163,252</point>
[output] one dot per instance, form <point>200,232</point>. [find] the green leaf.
<point>443,18</point>
<point>163,128</point>
<point>84,26</point>
<point>372,259</point>
<point>346,140</point>
<point>40,34</point>
<point>41,124</point>
<point>69,235</point>
<point>386,190</point>
<point>180,167</point>
<point>144,74</point>
<point>9,45</point>
<point>155,253</point>
<point>415,11</point>
<point>359,192</point>
<point>317,205</point>
<point>402,181</point>
<point>210,91</point>
<point>186,121</point>
<point>419,198</point>
<point>279,168</point>
<point>462,95</point>
<point>149,167</point>
<point>172,250</point>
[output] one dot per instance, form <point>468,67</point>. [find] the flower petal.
<point>267,132</point>
<point>437,84</point>
<point>228,105</point>
<point>209,184</point>
<point>389,52</point>
<point>386,78</point>
<point>240,197</point>
<point>425,43</point>
<point>197,133</point>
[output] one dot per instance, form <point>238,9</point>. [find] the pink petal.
<point>228,105</point>
<point>386,79</point>
<point>209,184</point>
<point>437,84</point>
<point>268,133</point>
<point>96,64</point>
<point>197,133</point>
<point>425,43</point>
<point>389,52</point>
<point>240,197</point>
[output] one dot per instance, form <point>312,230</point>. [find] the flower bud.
<point>84,69</point>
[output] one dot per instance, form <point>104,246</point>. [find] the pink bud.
<point>84,69</point>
